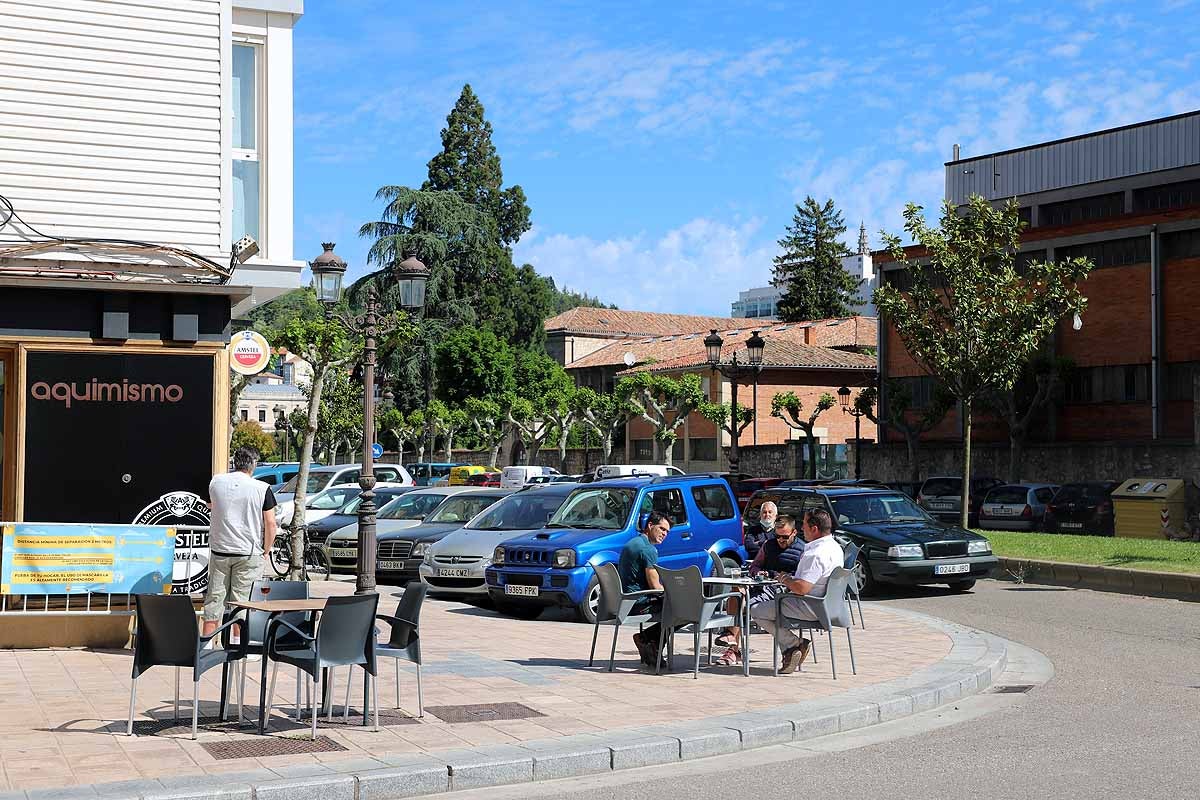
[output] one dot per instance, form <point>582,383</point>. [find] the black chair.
<point>256,622</point>
<point>686,605</point>
<point>404,641</point>
<point>345,637</point>
<point>167,636</point>
<point>616,608</point>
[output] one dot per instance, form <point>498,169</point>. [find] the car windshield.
<point>1008,494</point>
<point>333,498</point>
<point>858,509</point>
<point>411,506</point>
<point>461,508</point>
<point>606,508</point>
<point>518,512</point>
<point>316,482</point>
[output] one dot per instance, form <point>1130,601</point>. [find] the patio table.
<point>746,582</point>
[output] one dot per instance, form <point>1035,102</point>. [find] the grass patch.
<point>1155,555</point>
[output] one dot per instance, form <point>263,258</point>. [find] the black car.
<point>348,514</point>
<point>1082,508</point>
<point>899,542</point>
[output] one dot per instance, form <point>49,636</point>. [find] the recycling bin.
<point>1150,508</point>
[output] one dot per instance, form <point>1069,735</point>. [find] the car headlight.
<point>905,551</point>
<point>981,547</point>
<point>428,559</point>
<point>498,556</point>
<point>419,549</point>
<point>564,558</point>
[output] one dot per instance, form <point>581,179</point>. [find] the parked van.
<point>516,477</point>
<point>627,470</point>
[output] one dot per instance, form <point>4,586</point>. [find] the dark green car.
<point>899,542</point>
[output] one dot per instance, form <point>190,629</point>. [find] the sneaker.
<point>642,648</point>
<point>793,657</point>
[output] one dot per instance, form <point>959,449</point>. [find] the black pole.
<point>734,456</point>
<point>857,447</point>
<point>365,583</point>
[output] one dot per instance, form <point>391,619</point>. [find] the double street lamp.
<point>857,413</point>
<point>734,370</point>
<point>409,278</point>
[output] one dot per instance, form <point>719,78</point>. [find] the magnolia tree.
<point>603,414</point>
<point>970,319</point>
<point>901,416</point>
<point>790,408</point>
<point>664,403</point>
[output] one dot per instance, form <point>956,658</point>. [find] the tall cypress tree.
<point>810,267</point>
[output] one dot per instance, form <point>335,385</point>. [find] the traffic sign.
<point>377,450</point>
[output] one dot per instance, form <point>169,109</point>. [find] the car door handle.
<point>685,535</point>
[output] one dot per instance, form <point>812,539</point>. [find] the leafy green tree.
<point>790,408</point>
<point>473,362</point>
<point>722,415</point>
<point>447,422</point>
<point>488,420</point>
<point>664,402</point>
<point>275,315</point>
<point>543,389</point>
<point>562,412</point>
<point>250,434</point>
<point>911,425</point>
<point>605,414</point>
<point>810,267</point>
<point>340,419</point>
<point>970,319</point>
<point>399,426</point>
<point>565,299</point>
<point>1040,381</point>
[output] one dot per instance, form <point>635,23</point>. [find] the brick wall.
<point>1116,325</point>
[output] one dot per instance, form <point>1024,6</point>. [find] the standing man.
<point>754,535</point>
<point>241,534</point>
<point>638,573</point>
<point>822,555</point>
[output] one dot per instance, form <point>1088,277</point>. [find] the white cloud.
<point>696,268</point>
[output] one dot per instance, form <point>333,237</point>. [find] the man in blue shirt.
<point>637,570</point>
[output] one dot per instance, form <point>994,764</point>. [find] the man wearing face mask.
<point>757,533</point>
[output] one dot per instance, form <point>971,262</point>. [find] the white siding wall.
<point>110,118</point>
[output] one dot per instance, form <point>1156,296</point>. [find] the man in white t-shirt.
<point>822,555</point>
<point>241,534</point>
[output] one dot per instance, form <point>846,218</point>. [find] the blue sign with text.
<point>59,558</point>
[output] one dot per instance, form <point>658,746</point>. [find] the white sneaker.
<point>254,657</point>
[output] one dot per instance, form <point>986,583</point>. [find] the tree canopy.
<point>809,269</point>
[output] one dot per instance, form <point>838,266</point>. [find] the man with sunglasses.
<point>781,553</point>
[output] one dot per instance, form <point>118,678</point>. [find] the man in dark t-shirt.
<point>638,573</point>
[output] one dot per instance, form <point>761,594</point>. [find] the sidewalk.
<point>64,710</point>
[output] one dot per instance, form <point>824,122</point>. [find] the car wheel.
<point>587,609</point>
<point>961,586</point>
<point>520,610</point>
<point>868,586</point>
<point>730,563</point>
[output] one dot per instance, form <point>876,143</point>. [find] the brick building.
<point>1129,199</point>
<point>809,358</point>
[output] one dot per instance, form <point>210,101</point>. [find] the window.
<point>1025,214</point>
<point>1085,209</point>
<point>245,414</point>
<point>391,474</point>
<point>1128,383</point>
<point>1179,381</point>
<point>1114,253</point>
<point>643,449</point>
<point>1044,495</point>
<point>665,501</point>
<point>262,415</point>
<point>919,390</point>
<point>704,449</point>
<point>247,195</point>
<point>1171,195</point>
<point>1022,261</point>
<point>677,450</point>
<point>713,501</point>
<point>1180,245</point>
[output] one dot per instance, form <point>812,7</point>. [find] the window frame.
<point>647,504</point>
<point>256,154</point>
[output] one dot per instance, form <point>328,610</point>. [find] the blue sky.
<point>663,146</point>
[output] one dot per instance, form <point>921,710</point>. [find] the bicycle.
<point>314,559</point>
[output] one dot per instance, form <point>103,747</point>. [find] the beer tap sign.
<point>249,353</point>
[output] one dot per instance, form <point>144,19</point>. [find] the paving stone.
<point>644,752</point>
<point>858,717</point>
<point>420,778</point>
<point>762,732</point>
<point>211,792</point>
<point>490,766</point>
<point>325,787</point>
<point>710,742</point>
<point>810,726</point>
<point>570,761</point>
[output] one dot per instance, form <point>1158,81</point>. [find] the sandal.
<point>728,640</point>
<point>731,657</point>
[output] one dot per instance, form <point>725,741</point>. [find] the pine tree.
<point>810,267</point>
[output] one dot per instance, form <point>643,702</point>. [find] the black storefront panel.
<point>108,433</point>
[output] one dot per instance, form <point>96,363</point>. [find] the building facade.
<point>1129,200</point>
<point>758,303</point>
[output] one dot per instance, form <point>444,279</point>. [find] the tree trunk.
<point>810,444</point>
<point>449,445</point>
<point>296,528</point>
<point>606,445</point>
<point>668,453</point>
<point>562,452</point>
<point>1016,450</point>
<point>965,511</point>
<point>495,454</point>
<point>912,440</point>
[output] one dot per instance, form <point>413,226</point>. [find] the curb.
<point>1172,585</point>
<point>975,660</point>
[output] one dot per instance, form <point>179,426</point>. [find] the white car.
<point>323,503</point>
<point>320,478</point>
<point>517,476</point>
<point>626,470</point>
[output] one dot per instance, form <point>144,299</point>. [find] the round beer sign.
<point>249,353</point>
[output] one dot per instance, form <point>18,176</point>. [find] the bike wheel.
<point>316,561</point>
<point>281,557</point>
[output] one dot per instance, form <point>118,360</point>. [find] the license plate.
<point>1003,512</point>
<point>390,566</point>
<point>951,569</point>
<point>343,552</point>
<point>1074,526</point>
<point>521,591</point>
<point>445,572</point>
<point>942,506</point>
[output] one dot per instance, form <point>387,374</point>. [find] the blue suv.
<point>553,567</point>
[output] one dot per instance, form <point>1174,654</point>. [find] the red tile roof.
<point>611,322</point>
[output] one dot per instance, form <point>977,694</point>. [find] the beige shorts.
<point>229,578</point>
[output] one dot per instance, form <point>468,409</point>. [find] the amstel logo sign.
<point>249,353</point>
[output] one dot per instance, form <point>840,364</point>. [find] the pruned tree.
<point>605,414</point>
<point>404,428</point>
<point>447,422</point>
<point>532,426</point>
<point>663,402</point>
<point>562,412</point>
<point>790,408</point>
<point>1022,405</point>
<point>488,420</point>
<point>722,415</point>
<point>969,318</point>
<point>898,417</point>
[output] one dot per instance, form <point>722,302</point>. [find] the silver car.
<point>455,565</point>
<point>1016,507</point>
<point>406,511</point>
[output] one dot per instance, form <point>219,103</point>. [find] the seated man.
<point>822,555</point>
<point>753,535</point>
<point>779,554</point>
<point>637,570</point>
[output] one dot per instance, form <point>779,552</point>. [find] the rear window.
<point>713,501</point>
<point>1083,493</point>
<point>1008,494</point>
<point>940,487</point>
<point>791,503</point>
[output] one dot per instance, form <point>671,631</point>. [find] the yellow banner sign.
<point>65,559</point>
<point>66,577</point>
<point>33,542</point>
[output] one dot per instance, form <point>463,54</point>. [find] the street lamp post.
<point>854,411</point>
<point>409,279</point>
<point>733,371</point>
<point>282,424</point>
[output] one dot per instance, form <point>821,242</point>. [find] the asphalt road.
<point>1120,718</point>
